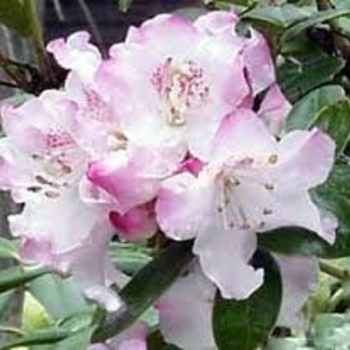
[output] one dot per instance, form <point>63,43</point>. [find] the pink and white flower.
<point>250,183</point>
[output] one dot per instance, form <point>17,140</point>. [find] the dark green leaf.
<point>304,113</point>
<point>315,19</point>
<point>17,276</point>
<point>292,240</point>
<point>245,324</point>
<point>335,121</point>
<point>43,337</point>
<point>155,341</point>
<point>278,16</point>
<point>297,78</point>
<point>14,14</point>
<point>146,287</point>
<point>334,197</point>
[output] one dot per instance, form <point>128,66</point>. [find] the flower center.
<point>245,195</point>
<point>57,162</point>
<point>181,86</point>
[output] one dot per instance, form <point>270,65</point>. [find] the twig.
<point>334,271</point>
<point>92,23</point>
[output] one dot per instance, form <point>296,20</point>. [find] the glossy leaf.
<point>155,341</point>
<point>305,112</point>
<point>278,16</point>
<point>335,121</point>
<point>44,337</point>
<point>17,276</point>
<point>245,324</point>
<point>299,77</point>
<point>316,18</point>
<point>146,287</point>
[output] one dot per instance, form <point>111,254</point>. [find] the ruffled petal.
<point>305,159</point>
<point>299,280</point>
<point>224,257</point>
<point>185,312</point>
<point>77,54</point>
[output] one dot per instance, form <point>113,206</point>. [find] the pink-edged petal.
<point>299,280</point>
<point>274,109</point>
<point>116,176</point>
<point>183,206</point>
<point>77,54</point>
<point>133,344</point>
<point>185,312</point>
<point>224,257</point>
<point>138,223</point>
<point>258,61</point>
<point>216,22</point>
<point>298,209</point>
<point>305,159</point>
<point>172,31</point>
<point>242,134</point>
<point>136,334</point>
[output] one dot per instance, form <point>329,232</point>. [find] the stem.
<point>37,40</point>
<point>93,26</point>
<point>334,271</point>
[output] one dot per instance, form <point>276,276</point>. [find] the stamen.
<point>273,158</point>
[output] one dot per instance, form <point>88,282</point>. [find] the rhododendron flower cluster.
<point>164,135</point>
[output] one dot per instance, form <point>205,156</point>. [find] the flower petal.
<point>185,312</point>
<point>77,54</point>
<point>299,280</point>
<point>137,224</point>
<point>224,257</point>
<point>183,205</point>
<point>305,159</point>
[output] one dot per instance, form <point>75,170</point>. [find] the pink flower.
<point>181,89</point>
<point>250,183</point>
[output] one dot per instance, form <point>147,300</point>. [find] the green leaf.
<point>8,249</point>
<point>146,287</point>
<point>155,341</point>
<point>14,14</point>
<point>4,300</point>
<point>334,196</point>
<point>43,337</point>
<point>60,297</point>
<point>304,113</point>
<point>129,258</point>
<point>124,5</point>
<point>331,331</point>
<point>79,341</point>
<point>34,315</point>
<point>298,77</point>
<point>278,16</point>
<point>17,276</point>
<point>313,20</point>
<point>335,121</point>
<point>293,240</point>
<point>245,324</point>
